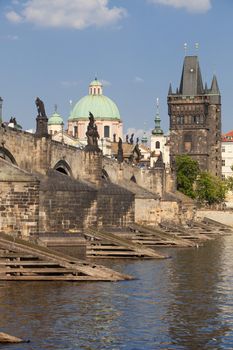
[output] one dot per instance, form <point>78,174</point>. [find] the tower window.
<point>157,144</point>
<point>223,162</point>
<point>180,119</point>
<point>75,131</point>
<point>187,143</point>
<point>106,131</point>
<point>196,119</point>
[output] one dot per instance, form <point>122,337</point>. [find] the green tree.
<point>229,181</point>
<point>187,170</point>
<point>210,189</point>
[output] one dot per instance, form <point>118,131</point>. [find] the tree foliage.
<point>210,189</point>
<point>203,186</point>
<point>187,170</point>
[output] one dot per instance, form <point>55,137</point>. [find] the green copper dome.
<point>55,119</point>
<point>99,105</point>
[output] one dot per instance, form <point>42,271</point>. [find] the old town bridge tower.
<point>195,119</point>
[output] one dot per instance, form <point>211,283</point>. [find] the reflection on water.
<point>182,303</point>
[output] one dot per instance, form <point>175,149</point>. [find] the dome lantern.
<point>95,88</point>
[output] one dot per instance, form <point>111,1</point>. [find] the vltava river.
<point>185,302</point>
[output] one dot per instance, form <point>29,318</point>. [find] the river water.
<point>184,303</point>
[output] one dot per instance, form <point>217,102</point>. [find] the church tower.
<point>195,119</point>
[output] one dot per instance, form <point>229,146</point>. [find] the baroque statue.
<point>92,132</point>
<point>40,108</point>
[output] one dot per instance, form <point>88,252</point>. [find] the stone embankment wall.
<point>67,205</point>
<point>19,201</point>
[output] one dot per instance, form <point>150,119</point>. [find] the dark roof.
<point>191,80</point>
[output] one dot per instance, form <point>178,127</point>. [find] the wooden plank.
<point>96,271</point>
<point>15,255</point>
<point>114,253</point>
<point>52,278</point>
<point>35,270</point>
<point>163,235</point>
<point>28,263</point>
<point>126,243</point>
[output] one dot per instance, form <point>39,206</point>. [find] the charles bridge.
<point>48,186</point>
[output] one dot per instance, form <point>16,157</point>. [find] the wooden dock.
<point>138,241</point>
<point>23,260</point>
<point>105,244</point>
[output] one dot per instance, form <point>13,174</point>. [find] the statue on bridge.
<point>120,155</point>
<point>92,132</point>
<point>40,108</point>
<point>41,120</point>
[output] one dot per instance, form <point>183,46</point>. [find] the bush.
<point>187,170</point>
<point>210,189</point>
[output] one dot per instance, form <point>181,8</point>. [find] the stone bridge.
<point>40,154</point>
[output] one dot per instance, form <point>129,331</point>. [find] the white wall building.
<point>227,154</point>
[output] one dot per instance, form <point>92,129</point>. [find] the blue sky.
<point>54,48</point>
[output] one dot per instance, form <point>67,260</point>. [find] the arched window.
<point>157,145</point>
<point>75,131</point>
<point>106,131</point>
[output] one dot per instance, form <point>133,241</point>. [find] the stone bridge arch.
<point>63,167</point>
<point>5,154</point>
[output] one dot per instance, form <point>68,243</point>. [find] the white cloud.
<point>105,82</point>
<point>138,80</point>
<point>12,37</point>
<point>77,14</point>
<point>189,5</point>
<point>14,17</point>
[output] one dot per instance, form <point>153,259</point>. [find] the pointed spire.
<point>170,89</point>
<point>214,86</point>
<point>157,130</point>
<point>191,79</point>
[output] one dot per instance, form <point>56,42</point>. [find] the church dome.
<point>102,107</point>
<point>55,119</point>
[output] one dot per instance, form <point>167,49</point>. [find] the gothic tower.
<point>195,119</point>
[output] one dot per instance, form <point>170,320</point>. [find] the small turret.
<point>214,86</point>
<point>170,89</point>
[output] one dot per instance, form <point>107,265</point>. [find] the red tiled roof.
<point>228,137</point>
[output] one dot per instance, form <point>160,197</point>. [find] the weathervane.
<point>157,104</point>
<point>55,108</point>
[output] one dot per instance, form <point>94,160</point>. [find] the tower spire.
<point>214,86</point>
<point>157,130</point>
<point>170,89</point>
